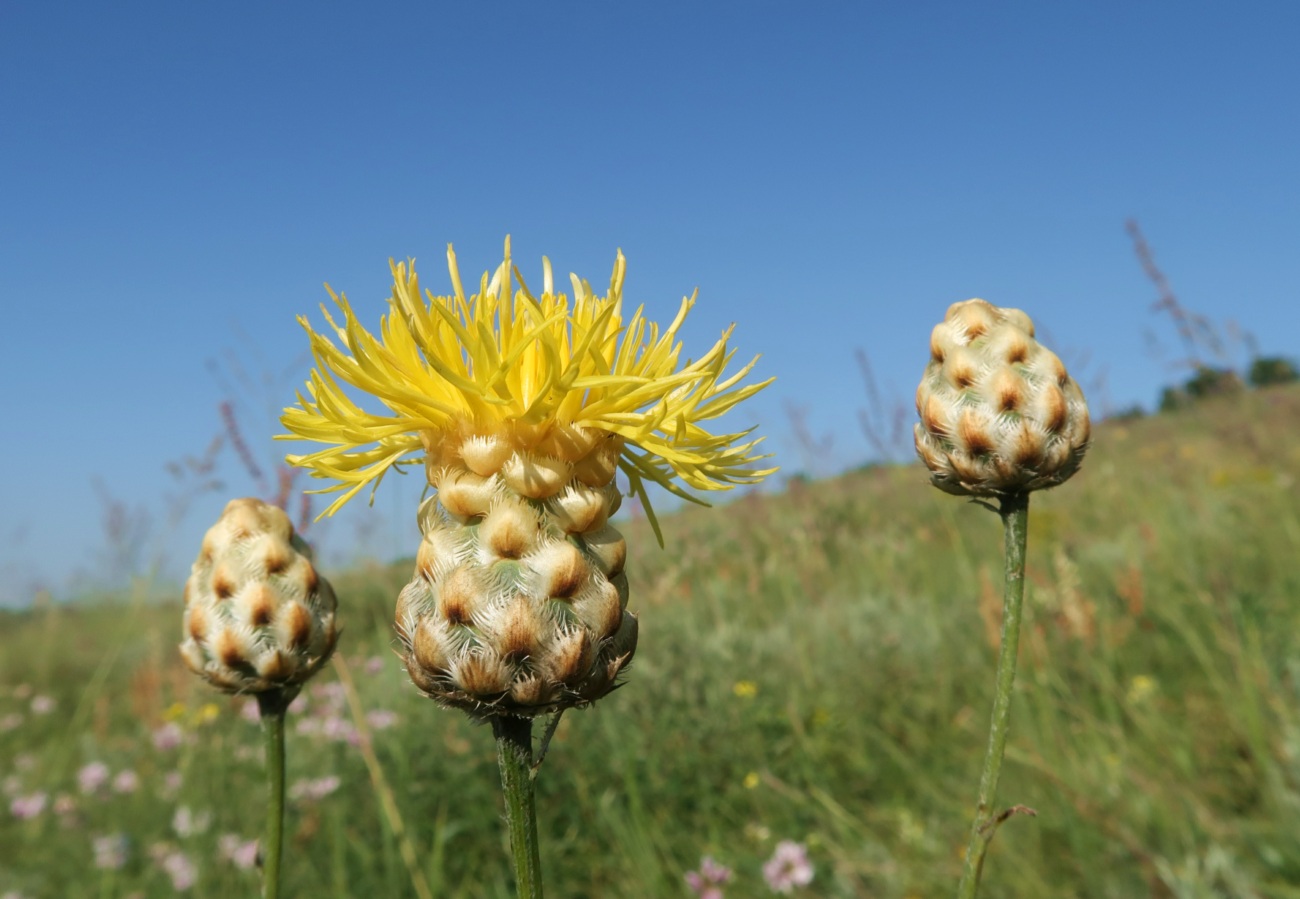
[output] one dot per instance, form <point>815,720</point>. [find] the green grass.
<point>1156,727</point>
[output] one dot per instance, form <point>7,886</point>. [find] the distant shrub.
<point>1268,370</point>
<point>1205,383</point>
<point>1129,413</point>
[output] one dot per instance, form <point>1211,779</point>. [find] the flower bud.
<point>1000,415</point>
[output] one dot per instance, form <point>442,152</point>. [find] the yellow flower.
<point>751,780</point>
<point>538,374</point>
<point>745,689</point>
<point>1140,688</point>
<point>206,713</point>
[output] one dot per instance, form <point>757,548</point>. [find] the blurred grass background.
<point>815,665</point>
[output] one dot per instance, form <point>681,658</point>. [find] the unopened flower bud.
<point>1000,415</point>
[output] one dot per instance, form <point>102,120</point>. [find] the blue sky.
<point>178,180</point>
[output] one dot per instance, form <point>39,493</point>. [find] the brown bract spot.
<point>1054,409</point>
<point>602,609</point>
<point>482,674</point>
<point>310,579</point>
<point>1009,391</point>
<point>517,637</point>
<point>1058,370</point>
<point>975,317</point>
<point>457,596</point>
<point>1028,448</point>
<point>566,570</point>
<point>962,375</point>
<point>933,418</point>
<point>1017,350</point>
<point>509,531</point>
<point>936,346</point>
<point>428,650</point>
<point>296,625</point>
<point>275,665</point>
<point>230,651</point>
<point>569,658</point>
<point>531,690</point>
<point>278,558</point>
<point>259,602</point>
<point>223,585</point>
<point>973,434</point>
<point>968,470</point>
<point>196,624</point>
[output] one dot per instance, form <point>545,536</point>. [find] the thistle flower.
<point>521,409</point>
<point>999,412</point>
<point>257,615</point>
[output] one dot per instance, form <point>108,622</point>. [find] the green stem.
<point>514,737</point>
<point>1015,529</point>
<point>272,704</point>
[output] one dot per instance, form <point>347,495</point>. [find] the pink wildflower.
<point>381,719</point>
<point>29,806</point>
<point>92,776</point>
<point>240,853</point>
<point>338,729</point>
<point>250,712</point>
<point>171,784</point>
<point>110,851</point>
<point>42,705</point>
<point>64,805</point>
<point>187,824</point>
<point>126,781</point>
<point>10,722</point>
<point>707,882</point>
<point>168,737</point>
<point>331,695</point>
<point>314,789</point>
<point>374,664</point>
<point>788,867</point>
<point>180,869</point>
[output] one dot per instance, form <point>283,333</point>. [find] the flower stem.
<point>1015,529</point>
<point>514,737</point>
<point>273,704</point>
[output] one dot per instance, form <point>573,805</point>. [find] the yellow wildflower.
<point>538,375</point>
<point>205,714</point>
<point>745,689</point>
<point>751,780</point>
<point>1140,688</point>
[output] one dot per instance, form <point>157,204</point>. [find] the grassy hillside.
<point>814,666</point>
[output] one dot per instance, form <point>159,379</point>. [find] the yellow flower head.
<point>532,373</point>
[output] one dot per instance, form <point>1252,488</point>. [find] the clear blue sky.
<point>178,179</point>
